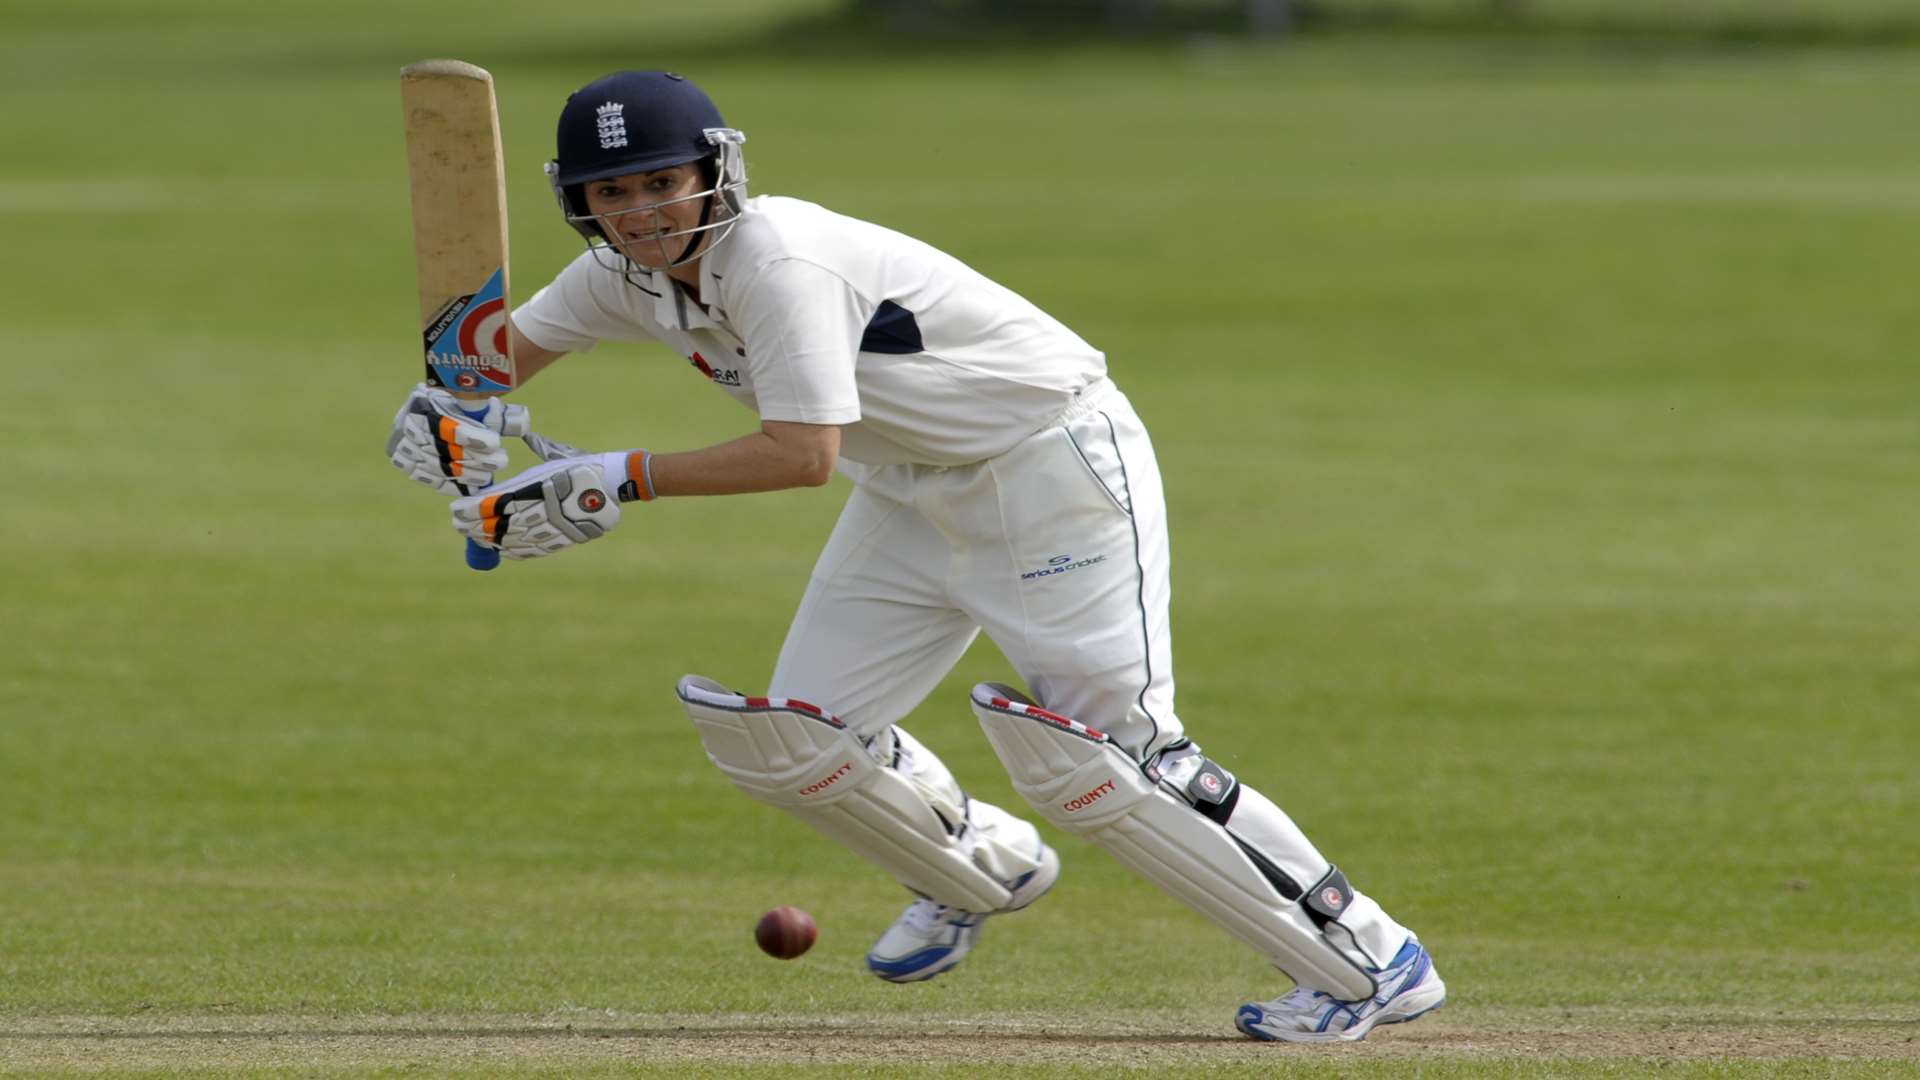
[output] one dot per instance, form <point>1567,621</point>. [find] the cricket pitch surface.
<point>1149,1040</point>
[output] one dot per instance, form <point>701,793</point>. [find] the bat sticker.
<point>467,341</point>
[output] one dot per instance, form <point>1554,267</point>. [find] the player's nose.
<point>635,208</point>
<point>638,219</point>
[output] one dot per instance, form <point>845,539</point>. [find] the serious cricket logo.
<point>1061,564</point>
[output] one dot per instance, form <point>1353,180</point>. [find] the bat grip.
<point>481,558</point>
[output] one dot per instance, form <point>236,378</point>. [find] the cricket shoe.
<point>929,938</point>
<point>1409,989</point>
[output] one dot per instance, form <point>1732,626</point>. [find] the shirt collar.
<point>673,307</point>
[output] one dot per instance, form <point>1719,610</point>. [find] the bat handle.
<point>481,558</point>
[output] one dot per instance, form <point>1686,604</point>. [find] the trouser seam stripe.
<point>1146,629</point>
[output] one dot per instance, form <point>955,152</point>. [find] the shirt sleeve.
<point>578,309</point>
<point>802,325</point>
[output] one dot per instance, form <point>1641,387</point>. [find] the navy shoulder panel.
<point>891,330</point>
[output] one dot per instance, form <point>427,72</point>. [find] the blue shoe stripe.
<point>1419,972</point>
<point>1405,955</point>
<point>1418,966</point>
<point>909,964</point>
<point>1249,1016</point>
<point>1339,1008</point>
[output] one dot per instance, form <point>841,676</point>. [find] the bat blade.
<point>458,183</point>
<point>459,190</point>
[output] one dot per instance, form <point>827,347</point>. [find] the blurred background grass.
<point>1536,398</point>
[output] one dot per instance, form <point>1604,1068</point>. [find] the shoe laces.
<point>1301,999</point>
<point>924,915</point>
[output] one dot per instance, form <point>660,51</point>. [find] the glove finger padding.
<point>438,441</point>
<point>428,473</point>
<point>546,509</point>
<point>462,433</point>
<point>447,456</point>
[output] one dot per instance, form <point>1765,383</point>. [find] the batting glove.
<point>451,445</point>
<point>554,506</point>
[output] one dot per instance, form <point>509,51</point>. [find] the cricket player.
<point>1001,481</point>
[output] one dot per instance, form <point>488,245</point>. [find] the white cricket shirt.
<point>819,318</point>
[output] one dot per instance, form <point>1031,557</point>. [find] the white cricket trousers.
<point>1057,548</point>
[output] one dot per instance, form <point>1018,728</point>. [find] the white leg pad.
<point>1079,780</point>
<point>913,821</point>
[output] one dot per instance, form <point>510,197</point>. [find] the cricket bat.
<point>459,190</point>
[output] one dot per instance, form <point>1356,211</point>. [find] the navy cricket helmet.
<point>636,122</point>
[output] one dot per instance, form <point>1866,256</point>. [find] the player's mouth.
<point>648,249</point>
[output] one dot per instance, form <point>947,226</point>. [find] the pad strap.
<point>1329,898</point>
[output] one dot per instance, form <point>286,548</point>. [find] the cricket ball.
<point>785,932</point>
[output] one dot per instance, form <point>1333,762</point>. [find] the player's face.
<point>640,212</point>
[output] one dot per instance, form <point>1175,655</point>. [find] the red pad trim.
<point>1053,718</point>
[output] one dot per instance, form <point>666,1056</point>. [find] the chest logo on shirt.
<point>723,376</point>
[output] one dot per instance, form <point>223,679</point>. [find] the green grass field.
<point>1539,419</point>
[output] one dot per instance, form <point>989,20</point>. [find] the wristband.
<point>633,469</point>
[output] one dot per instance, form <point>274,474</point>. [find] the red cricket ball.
<point>785,932</point>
